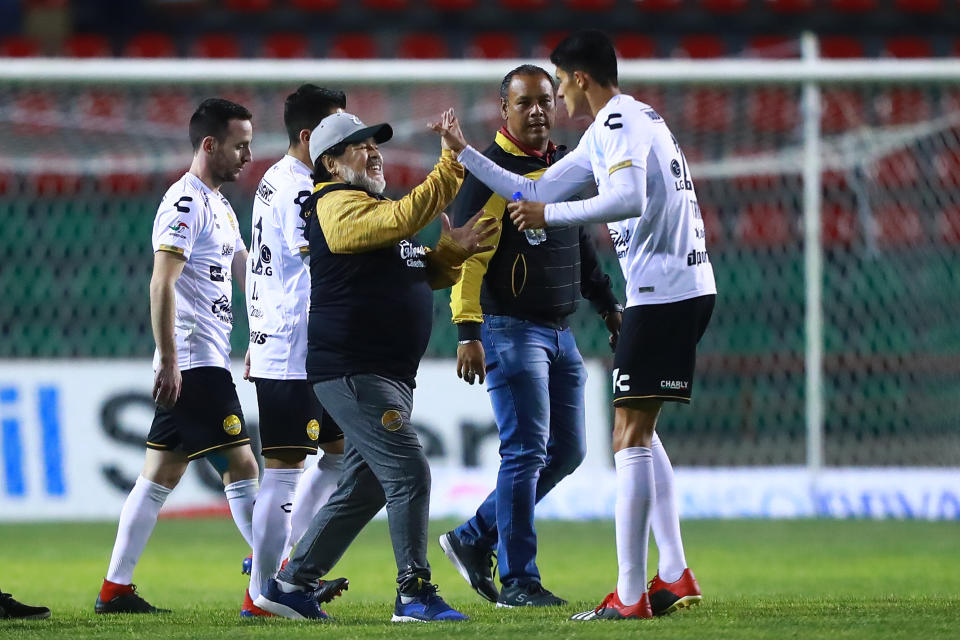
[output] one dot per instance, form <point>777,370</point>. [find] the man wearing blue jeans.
<point>511,306</point>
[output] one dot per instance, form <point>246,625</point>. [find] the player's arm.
<point>354,222</point>
<point>167,267</point>
<point>561,180</point>
<point>595,286</point>
<point>239,268</point>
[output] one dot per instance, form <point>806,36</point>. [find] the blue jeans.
<point>535,380</point>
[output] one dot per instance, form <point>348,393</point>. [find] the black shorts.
<point>291,417</point>
<point>207,416</point>
<point>657,350</point>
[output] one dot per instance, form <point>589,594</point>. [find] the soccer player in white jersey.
<point>646,197</point>
<point>292,422</point>
<point>198,252</point>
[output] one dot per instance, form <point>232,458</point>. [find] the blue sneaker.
<point>424,605</point>
<point>300,605</point>
<point>247,565</point>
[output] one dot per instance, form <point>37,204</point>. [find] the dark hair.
<point>320,173</point>
<point>307,106</point>
<point>523,70</point>
<point>590,51</point>
<point>212,118</point>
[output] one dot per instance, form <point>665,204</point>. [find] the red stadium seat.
<point>87,45</point>
<point>249,6</point>
<point>897,170</point>
<point>548,42</point>
<point>908,47</point>
<point>658,5</point>
<point>948,225</point>
<point>499,44</point>
<point>370,105</point>
<point>52,182</point>
<point>918,6</point>
<point>34,113</point>
<point>353,45</point>
<point>897,225</point>
<point>712,225</point>
<point>422,46</point>
<point>19,47</point>
<point>764,225</point>
<point>838,225</point>
<point>758,181</point>
<point>216,45</point>
<point>842,109</point>
<point>772,47</point>
<point>315,5</point>
<point>724,6</point>
<point>524,5</point>
<point>853,6</point>
<point>123,181</point>
<point>100,110</point>
<point>789,6</point>
<point>901,106</point>
<point>707,110</point>
<point>452,5</point>
<point>703,46</point>
<point>168,109</point>
<point>773,110</point>
<point>841,47</point>
<point>150,45</point>
<point>946,164</point>
<point>632,45</point>
<point>285,45</point>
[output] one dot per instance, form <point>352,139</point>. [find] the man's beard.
<point>361,179</point>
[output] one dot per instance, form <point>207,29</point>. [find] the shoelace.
<point>603,605</point>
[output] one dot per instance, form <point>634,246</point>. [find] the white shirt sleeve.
<point>560,181</point>
<point>177,225</point>
<point>624,146</point>
<point>291,221</point>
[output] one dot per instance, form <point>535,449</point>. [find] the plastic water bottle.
<point>534,236</point>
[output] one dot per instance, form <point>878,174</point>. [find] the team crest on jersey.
<point>313,430</point>
<point>392,420</point>
<point>231,424</point>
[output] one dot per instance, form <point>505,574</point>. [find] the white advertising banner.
<point>72,435</point>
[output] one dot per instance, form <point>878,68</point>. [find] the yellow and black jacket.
<point>541,283</point>
<point>371,281</point>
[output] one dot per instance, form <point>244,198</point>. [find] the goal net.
<point>84,161</point>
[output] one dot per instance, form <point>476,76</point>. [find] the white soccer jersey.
<point>199,224</point>
<point>662,249</point>
<point>278,283</point>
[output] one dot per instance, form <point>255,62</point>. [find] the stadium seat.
<point>87,45</point>
<point>758,181</point>
<point>285,45</point>
<point>773,110</point>
<point>946,165</point>
<point>901,106</point>
<point>724,6</point>
<point>713,225</point>
<point>353,45</point>
<point>789,6</point>
<point>764,225</point>
<point>841,47</point>
<point>897,170</point>
<point>707,110</point>
<point>34,113</point>
<point>19,47</point>
<point>168,109</point>
<point>853,6</point>
<point>908,47</point>
<point>948,225</point>
<point>548,42</point>
<point>123,182</point>
<point>491,45</point>
<point>150,45</point>
<point>701,46</point>
<point>839,226</point>
<point>372,105</point>
<point>842,109</point>
<point>249,6</point>
<point>100,110</point>
<point>315,5</point>
<point>632,45</point>
<point>897,225</point>
<point>216,45</point>
<point>918,6</point>
<point>768,46</point>
<point>422,46</point>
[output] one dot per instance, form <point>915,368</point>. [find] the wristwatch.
<point>617,308</point>
<point>466,341</point>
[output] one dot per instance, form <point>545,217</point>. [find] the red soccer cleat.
<point>612,609</point>
<point>667,597</point>
<point>250,610</point>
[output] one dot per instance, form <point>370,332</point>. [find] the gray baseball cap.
<point>344,127</point>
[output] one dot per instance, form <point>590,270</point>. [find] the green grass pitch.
<point>761,579</point>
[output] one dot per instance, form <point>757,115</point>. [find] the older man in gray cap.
<point>371,309</point>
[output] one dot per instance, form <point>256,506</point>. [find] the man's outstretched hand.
<point>451,137</point>
<point>472,234</point>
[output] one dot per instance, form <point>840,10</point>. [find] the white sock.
<point>634,502</point>
<point>240,496</point>
<point>665,520</point>
<point>271,524</point>
<point>317,484</point>
<point>137,520</point>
